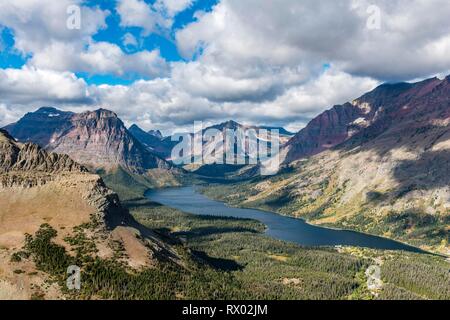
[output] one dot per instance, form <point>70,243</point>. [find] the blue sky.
<point>164,64</point>
<point>114,33</point>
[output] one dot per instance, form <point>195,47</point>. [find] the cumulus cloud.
<point>162,103</point>
<point>288,32</point>
<point>38,22</point>
<point>40,29</point>
<point>26,89</point>
<point>154,17</point>
<point>29,85</point>
<point>100,58</point>
<point>137,13</point>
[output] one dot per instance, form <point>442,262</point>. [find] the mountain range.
<point>378,164</point>
<point>97,139</point>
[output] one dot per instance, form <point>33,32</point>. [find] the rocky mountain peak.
<point>30,157</point>
<point>97,139</point>
<point>369,116</point>
<point>155,133</point>
<point>100,113</point>
<point>47,110</point>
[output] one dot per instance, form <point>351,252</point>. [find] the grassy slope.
<point>416,228</point>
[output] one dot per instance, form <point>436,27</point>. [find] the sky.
<point>164,64</point>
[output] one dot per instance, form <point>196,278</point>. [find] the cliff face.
<point>95,139</point>
<point>369,116</point>
<point>99,139</point>
<point>325,131</point>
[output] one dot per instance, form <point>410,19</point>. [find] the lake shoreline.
<point>326,226</point>
<point>365,240</point>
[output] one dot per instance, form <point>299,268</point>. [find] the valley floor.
<point>278,270</point>
<point>220,258</point>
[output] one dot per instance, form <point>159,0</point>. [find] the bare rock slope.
<point>97,139</point>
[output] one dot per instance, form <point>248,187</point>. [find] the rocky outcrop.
<point>29,157</point>
<point>28,166</point>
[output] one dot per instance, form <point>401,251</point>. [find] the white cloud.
<point>9,114</point>
<point>100,58</point>
<point>28,85</point>
<point>39,22</point>
<point>129,41</point>
<point>255,61</point>
<point>162,103</point>
<point>26,89</point>
<point>289,32</point>
<point>156,17</point>
<point>137,13</point>
<point>173,7</point>
<point>40,30</point>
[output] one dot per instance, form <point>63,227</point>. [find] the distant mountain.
<point>97,139</point>
<point>41,126</point>
<point>156,133</point>
<point>153,140</point>
<point>233,125</point>
<point>163,146</point>
<point>247,151</point>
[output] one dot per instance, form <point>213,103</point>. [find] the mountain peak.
<point>368,116</point>
<point>97,139</point>
<point>230,124</point>
<point>104,113</point>
<point>47,110</point>
<point>134,127</point>
<point>156,133</point>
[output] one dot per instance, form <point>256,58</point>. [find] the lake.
<point>189,200</point>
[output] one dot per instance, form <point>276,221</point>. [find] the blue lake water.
<point>187,199</point>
